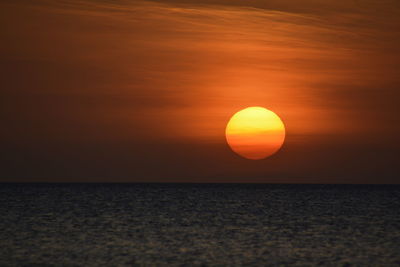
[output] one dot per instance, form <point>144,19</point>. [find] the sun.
<point>255,133</point>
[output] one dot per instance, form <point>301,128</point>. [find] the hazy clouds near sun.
<point>174,71</point>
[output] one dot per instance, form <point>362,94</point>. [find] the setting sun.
<point>255,133</point>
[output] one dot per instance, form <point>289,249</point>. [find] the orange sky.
<point>153,83</point>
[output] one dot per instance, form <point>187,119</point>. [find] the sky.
<point>141,91</point>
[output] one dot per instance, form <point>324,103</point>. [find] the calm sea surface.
<point>199,224</point>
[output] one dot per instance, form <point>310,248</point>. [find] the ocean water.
<point>199,224</point>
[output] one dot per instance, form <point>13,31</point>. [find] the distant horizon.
<point>194,183</point>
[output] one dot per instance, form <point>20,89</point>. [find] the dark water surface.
<point>192,224</point>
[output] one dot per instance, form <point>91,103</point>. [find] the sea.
<point>199,225</point>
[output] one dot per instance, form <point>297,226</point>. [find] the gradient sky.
<point>141,91</point>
